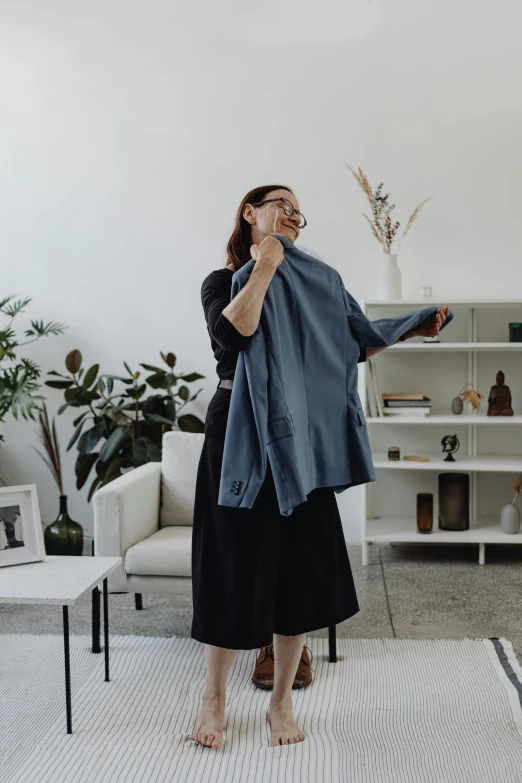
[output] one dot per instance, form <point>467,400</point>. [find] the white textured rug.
<point>389,710</point>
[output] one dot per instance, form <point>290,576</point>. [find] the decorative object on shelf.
<point>394,452</point>
<point>454,501</point>
<point>64,536</point>
<point>424,512</point>
<point>130,427</point>
<point>424,293</point>
<point>470,395</point>
<point>515,332</point>
<point>510,513</point>
<point>384,232</point>
<point>500,398</point>
<point>415,458</point>
<point>450,444</point>
<point>21,535</point>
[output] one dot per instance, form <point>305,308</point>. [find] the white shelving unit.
<point>479,327</point>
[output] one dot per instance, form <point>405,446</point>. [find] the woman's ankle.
<point>281,702</point>
<point>213,696</point>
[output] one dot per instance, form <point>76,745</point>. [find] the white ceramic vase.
<point>390,277</point>
<point>510,518</point>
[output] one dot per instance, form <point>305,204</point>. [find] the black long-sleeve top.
<point>225,339</point>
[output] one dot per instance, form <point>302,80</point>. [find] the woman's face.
<point>262,218</point>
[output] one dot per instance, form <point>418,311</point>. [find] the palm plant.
<point>19,382</point>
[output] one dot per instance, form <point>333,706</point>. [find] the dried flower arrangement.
<point>516,487</point>
<point>49,440</point>
<point>472,396</point>
<point>381,226</point>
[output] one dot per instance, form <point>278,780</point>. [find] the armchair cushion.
<point>164,553</point>
<point>179,466</point>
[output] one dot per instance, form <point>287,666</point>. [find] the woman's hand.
<point>430,327</point>
<point>270,251</point>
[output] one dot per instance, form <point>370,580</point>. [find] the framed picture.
<point>21,536</point>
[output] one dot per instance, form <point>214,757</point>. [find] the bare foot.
<point>209,724</point>
<point>283,728</point>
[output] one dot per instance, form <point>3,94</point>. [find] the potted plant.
<point>120,431</point>
<point>64,536</point>
<point>385,231</point>
<point>19,381</point>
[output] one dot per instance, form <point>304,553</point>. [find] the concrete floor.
<point>410,591</point>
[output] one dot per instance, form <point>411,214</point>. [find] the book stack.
<point>393,403</point>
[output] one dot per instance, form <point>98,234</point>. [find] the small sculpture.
<point>500,398</point>
<point>450,444</point>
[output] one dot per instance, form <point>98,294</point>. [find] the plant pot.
<point>390,278</point>
<point>64,536</point>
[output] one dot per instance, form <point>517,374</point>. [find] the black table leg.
<point>67,667</point>
<point>96,647</point>
<point>106,627</point>
<point>332,657</point>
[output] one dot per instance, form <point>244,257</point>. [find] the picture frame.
<point>21,535</point>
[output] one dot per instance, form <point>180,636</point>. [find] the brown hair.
<point>240,242</point>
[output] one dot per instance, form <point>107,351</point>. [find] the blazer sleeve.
<point>383,331</point>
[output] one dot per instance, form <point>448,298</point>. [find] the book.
<point>426,402</point>
<point>376,389</point>
<point>407,412</point>
<point>372,404</point>
<point>403,396</point>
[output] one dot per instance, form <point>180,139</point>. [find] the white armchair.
<point>145,517</point>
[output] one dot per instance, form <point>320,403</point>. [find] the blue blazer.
<point>294,400</point>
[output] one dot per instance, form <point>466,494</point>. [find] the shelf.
<point>411,345</point>
<point>484,531</point>
<point>484,463</point>
<point>447,418</point>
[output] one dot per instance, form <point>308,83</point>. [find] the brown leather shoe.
<point>263,676</point>
<point>303,675</point>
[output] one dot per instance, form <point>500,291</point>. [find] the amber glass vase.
<point>64,536</point>
<point>424,512</point>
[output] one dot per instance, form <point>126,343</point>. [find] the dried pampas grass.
<point>381,226</point>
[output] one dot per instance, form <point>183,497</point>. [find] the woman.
<point>258,576</point>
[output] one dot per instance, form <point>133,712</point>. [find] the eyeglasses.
<point>287,206</point>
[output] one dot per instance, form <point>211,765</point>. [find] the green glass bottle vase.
<point>64,536</point>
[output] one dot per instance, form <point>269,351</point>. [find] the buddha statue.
<point>500,398</point>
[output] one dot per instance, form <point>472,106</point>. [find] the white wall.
<point>131,131</point>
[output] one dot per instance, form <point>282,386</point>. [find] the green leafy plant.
<point>19,382</point>
<point>128,424</point>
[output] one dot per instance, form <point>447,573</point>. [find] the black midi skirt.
<point>256,572</point>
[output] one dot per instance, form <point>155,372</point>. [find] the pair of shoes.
<point>263,676</point>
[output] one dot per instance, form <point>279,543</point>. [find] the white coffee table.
<point>59,580</point>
